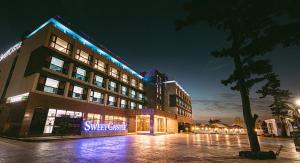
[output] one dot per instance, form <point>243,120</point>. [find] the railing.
<point>79,76</point>
<point>97,100</point>
<point>82,59</point>
<point>112,88</point>
<point>101,84</point>
<point>123,106</point>
<point>124,93</point>
<point>110,103</point>
<point>77,95</point>
<point>49,89</point>
<point>55,68</point>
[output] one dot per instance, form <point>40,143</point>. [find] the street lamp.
<point>298,102</point>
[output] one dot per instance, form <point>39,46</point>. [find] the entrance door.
<point>38,121</point>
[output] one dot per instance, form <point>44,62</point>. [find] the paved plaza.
<point>143,148</point>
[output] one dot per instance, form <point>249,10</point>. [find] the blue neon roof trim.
<point>85,42</point>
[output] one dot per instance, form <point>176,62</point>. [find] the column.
<point>66,89</point>
<point>151,124</point>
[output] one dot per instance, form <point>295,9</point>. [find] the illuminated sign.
<point>10,50</point>
<point>89,126</point>
<point>17,98</point>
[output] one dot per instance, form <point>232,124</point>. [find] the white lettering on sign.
<point>17,98</point>
<point>10,51</point>
<point>89,126</point>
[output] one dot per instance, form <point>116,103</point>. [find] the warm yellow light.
<point>298,102</point>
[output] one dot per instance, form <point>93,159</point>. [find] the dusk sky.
<point>143,34</point>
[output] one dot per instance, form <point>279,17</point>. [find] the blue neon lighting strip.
<point>85,42</point>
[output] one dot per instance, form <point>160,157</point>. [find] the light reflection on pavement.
<point>144,148</point>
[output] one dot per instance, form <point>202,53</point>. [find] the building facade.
<point>57,82</point>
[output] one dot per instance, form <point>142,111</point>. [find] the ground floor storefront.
<point>44,115</point>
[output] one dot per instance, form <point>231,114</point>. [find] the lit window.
<point>99,81</point>
<point>51,85</point>
<point>141,96</point>
<point>133,82</point>
<point>99,65</point>
<point>60,45</point>
<point>56,64</point>
<point>124,78</point>
<point>96,97</point>
<point>132,105</point>
<point>77,92</point>
<point>140,106</point>
<point>114,72</point>
<point>80,74</point>
<point>141,86</point>
<point>112,86</point>
<point>112,101</point>
<point>83,56</point>
<point>133,94</point>
<point>123,103</point>
<point>94,118</point>
<point>124,90</point>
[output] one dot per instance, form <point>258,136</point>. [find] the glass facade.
<point>56,64</point>
<point>60,44</point>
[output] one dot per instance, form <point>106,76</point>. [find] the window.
<point>77,92</point>
<point>99,65</point>
<point>112,101</point>
<point>56,64</point>
<point>60,45</point>
<point>141,97</point>
<point>96,97</point>
<point>94,118</point>
<point>140,106</point>
<point>123,104</point>
<point>132,105</point>
<point>133,82</point>
<point>114,72</point>
<point>124,78</point>
<point>141,86</point>
<point>112,86</point>
<point>133,94</point>
<point>80,74</point>
<point>51,85</point>
<point>124,90</point>
<point>99,81</point>
<point>83,56</point>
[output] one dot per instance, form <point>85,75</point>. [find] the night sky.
<point>143,34</point>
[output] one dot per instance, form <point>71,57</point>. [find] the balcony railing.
<point>79,76</point>
<point>112,88</point>
<point>100,84</point>
<point>110,103</point>
<point>49,89</point>
<point>77,95</point>
<point>97,100</point>
<point>123,106</point>
<point>55,68</point>
<point>124,93</point>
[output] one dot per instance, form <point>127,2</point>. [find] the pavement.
<point>144,148</point>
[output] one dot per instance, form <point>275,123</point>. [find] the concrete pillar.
<point>91,78</point>
<point>66,90</point>
<point>118,101</point>
<point>35,81</point>
<point>105,99</point>
<point>70,71</point>
<point>88,95</point>
<point>151,124</point>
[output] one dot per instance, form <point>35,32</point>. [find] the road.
<point>143,148</point>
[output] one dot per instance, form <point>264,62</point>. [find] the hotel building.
<point>57,81</point>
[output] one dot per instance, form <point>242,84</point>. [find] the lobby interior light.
<point>297,102</point>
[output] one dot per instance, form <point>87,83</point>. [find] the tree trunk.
<point>249,120</point>
<point>283,129</point>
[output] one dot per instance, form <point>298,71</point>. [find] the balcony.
<point>124,93</point>
<point>48,89</point>
<point>97,100</point>
<point>123,106</point>
<point>77,95</point>
<point>100,84</point>
<point>114,89</point>
<point>80,77</point>
<point>111,103</point>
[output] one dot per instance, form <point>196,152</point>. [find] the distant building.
<point>57,76</point>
